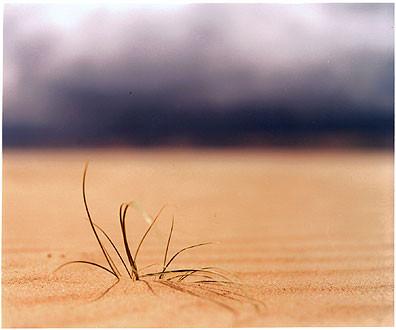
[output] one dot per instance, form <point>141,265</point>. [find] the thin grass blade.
<point>107,290</point>
<point>90,219</point>
<point>146,233</point>
<point>114,247</point>
<point>114,267</point>
<point>85,262</point>
<point>123,211</point>
<point>182,250</point>
<point>167,248</point>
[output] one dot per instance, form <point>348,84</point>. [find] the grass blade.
<point>114,267</point>
<point>167,248</point>
<point>90,219</point>
<point>183,276</point>
<point>148,266</point>
<point>147,231</point>
<point>149,286</point>
<point>168,272</point>
<point>85,262</point>
<point>107,290</point>
<point>182,250</point>
<point>115,248</point>
<point>123,211</point>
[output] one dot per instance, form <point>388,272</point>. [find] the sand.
<point>308,234</point>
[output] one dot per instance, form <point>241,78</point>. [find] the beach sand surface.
<point>305,236</point>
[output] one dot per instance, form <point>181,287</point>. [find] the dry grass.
<point>202,282</point>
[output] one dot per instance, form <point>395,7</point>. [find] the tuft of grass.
<point>206,279</point>
<point>129,263</point>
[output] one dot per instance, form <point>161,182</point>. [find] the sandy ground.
<point>308,234</point>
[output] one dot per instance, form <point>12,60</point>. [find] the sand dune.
<point>307,237</point>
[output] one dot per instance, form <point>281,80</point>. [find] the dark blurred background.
<point>198,75</point>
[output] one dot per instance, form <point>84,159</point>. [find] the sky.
<point>152,74</point>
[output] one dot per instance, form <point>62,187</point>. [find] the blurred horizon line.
<point>213,130</point>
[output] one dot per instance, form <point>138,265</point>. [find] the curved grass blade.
<point>85,262</point>
<point>167,272</point>
<point>182,250</point>
<point>117,272</point>
<point>123,210</point>
<point>115,248</point>
<point>182,276</point>
<point>132,261</point>
<point>205,270</point>
<point>90,219</point>
<point>186,275</point>
<point>167,248</point>
<point>107,290</point>
<point>148,266</point>
<point>222,270</point>
<point>126,246</point>
<point>146,233</point>
<point>149,286</point>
